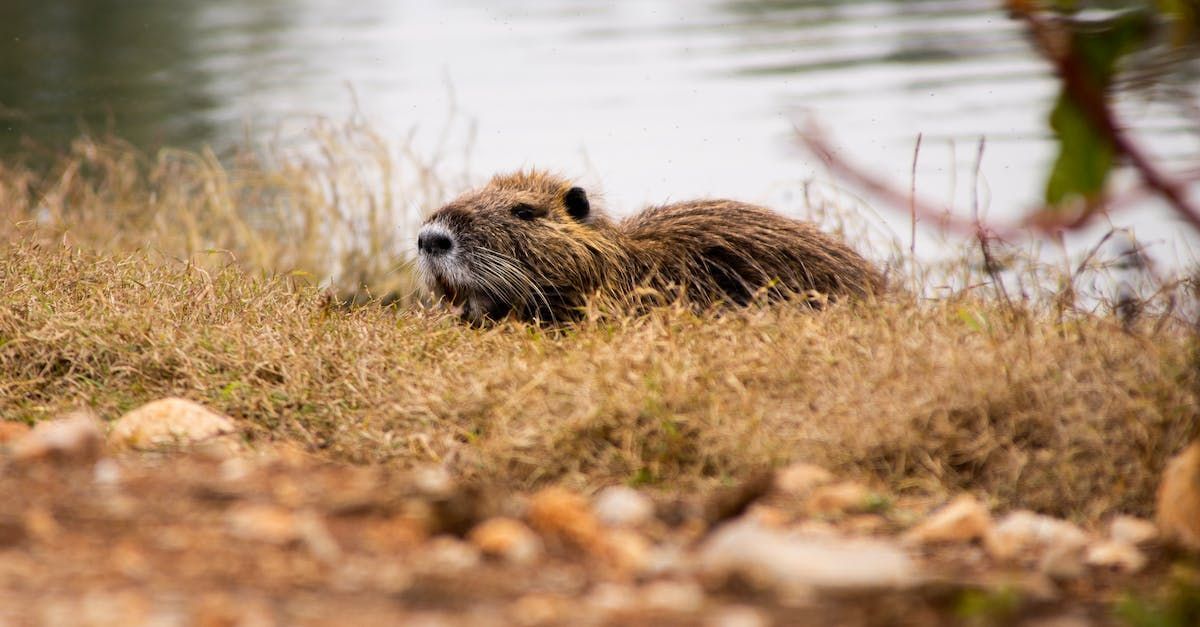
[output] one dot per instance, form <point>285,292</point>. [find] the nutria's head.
<point>528,244</point>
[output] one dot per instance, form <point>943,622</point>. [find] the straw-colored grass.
<point>1028,404</point>
<point>338,211</point>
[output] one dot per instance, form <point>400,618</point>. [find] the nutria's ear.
<point>577,203</point>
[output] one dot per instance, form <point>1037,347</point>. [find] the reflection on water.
<point>77,63</point>
<point>656,99</point>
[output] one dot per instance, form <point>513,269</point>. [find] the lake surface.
<point>648,100</point>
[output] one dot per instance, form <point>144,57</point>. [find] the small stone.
<point>41,525</point>
<point>816,529</point>
<point>106,473</point>
<point>433,481</point>
<point>1179,499</point>
<point>738,616</point>
<point>129,559</point>
<point>565,515</point>
<point>287,491</point>
<point>864,524</point>
<point>12,431</point>
<point>1116,555</point>
<point>801,478</point>
<point>673,596</point>
<point>101,607</point>
<point>791,565</point>
<point>839,498</point>
<point>621,506</point>
<point>395,534</point>
<point>75,437</point>
<point>235,469</point>
<point>1030,534</point>
<point>1062,562</point>
<point>608,597</point>
<point>628,550</point>
<point>449,555</point>
<point>1135,531</point>
<point>964,519</point>
<point>537,609</point>
<point>224,608</point>
<point>767,516</point>
<point>263,523</point>
<point>507,539</point>
<point>221,448</point>
<point>166,422</point>
<point>355,572</point>
<point>664,559</point>
<point>315,535</point>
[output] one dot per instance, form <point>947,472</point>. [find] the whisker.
<point>509,265</point>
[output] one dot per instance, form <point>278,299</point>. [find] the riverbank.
<point>127,279</point>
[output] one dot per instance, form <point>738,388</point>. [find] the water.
<point>648,100</point>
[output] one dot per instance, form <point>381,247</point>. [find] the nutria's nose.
<point>434,242</point>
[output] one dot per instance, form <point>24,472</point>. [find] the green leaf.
<point>973,319</point>
<point>1085,156</point>
<point>1085,153</point>
<point>1101,45</point>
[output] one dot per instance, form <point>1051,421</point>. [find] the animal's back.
<point>726,248</point>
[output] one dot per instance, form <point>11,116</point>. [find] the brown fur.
<point>546,266</point>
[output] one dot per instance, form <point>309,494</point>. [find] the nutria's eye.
<point>523,211</point>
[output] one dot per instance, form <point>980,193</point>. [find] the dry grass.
<point>1074,416</point>
<point>339,210</point>
<point>1029,403</point>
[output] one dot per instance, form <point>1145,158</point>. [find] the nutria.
<point>532,245</point>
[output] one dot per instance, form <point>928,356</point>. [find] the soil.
<point>284,538</point>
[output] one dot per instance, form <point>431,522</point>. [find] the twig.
<point>912,199</point>
<point>989,262</point>
<point>1087,259</point>
<point>975,179</point>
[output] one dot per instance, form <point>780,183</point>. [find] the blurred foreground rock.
<point>1179,499</point>
<point>76,437</point>
<point>12,431</point>
<point>508,539</point>
<point>1117,555</point>
<point>168,422</point>
<point>1132,530</point>
<point>621,506</point>
<point>793,565</point>
<point>840,498</point>
<point>799,479</point>
<point>964,519</point>
<point>564,516</point>
<point>1025,535</point>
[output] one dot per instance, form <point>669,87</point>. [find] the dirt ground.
<point>279,537</point>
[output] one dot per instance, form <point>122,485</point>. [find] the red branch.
<point>1093,102</point>
<point>813,139</point>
